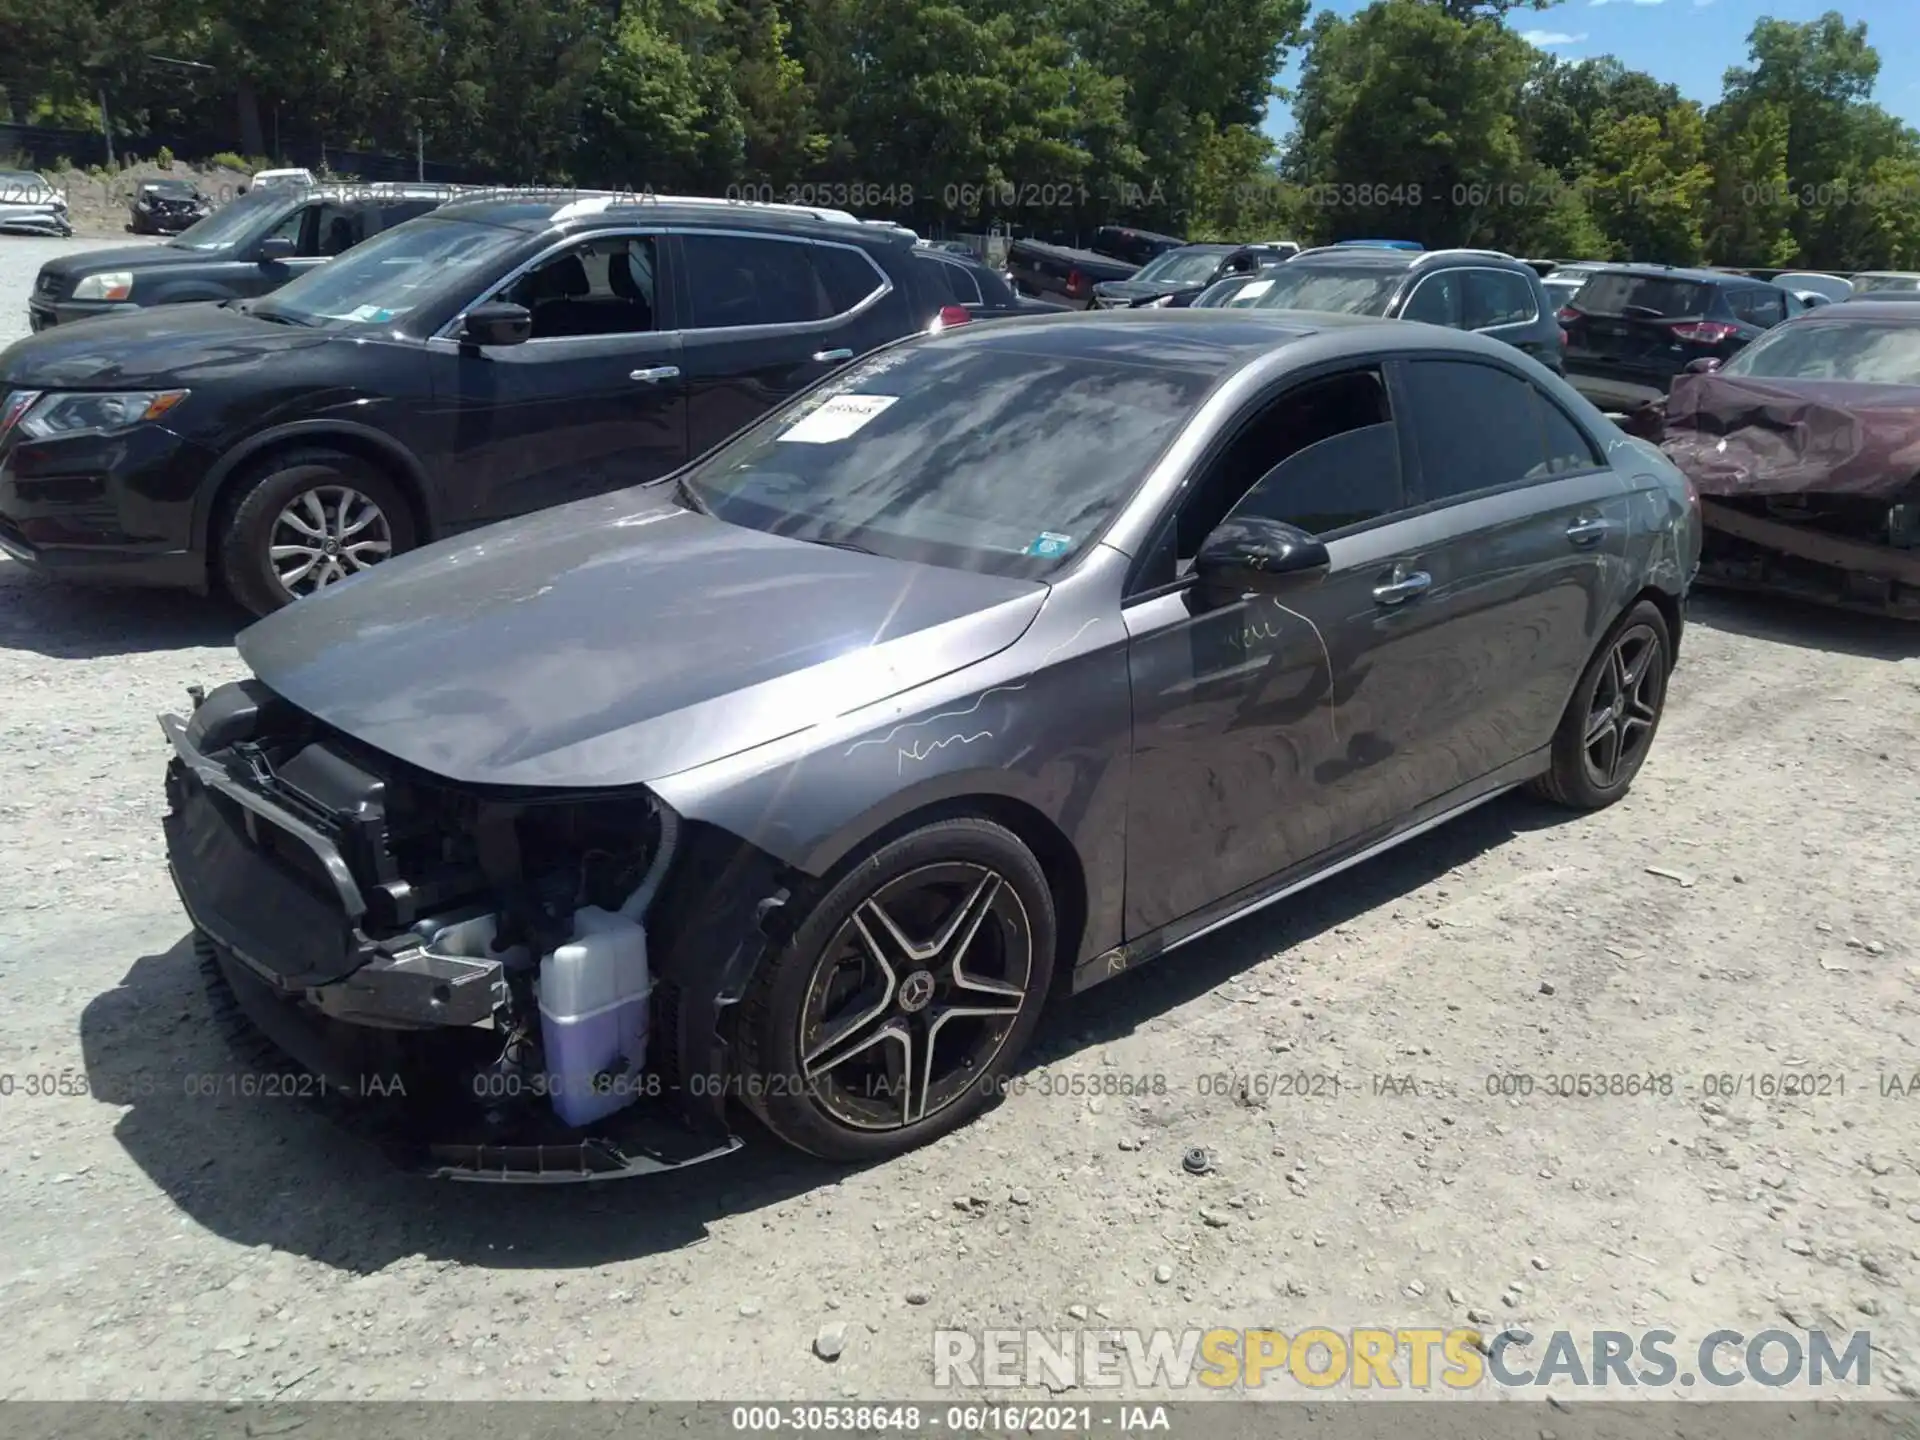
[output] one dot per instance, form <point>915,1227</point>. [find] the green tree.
<point>1648,184</point>
<point>1405,124</point>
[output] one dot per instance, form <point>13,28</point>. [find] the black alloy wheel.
<point>1609,725</point>
<point>894,1014</point>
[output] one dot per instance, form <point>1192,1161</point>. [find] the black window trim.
<point>934,257</point>
<point>1411,463</point>
<point>1133,593</point>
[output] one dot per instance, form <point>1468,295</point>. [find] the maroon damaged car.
<point>1805,448</point>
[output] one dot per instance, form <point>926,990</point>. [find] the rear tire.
<point>1610,722</point>
<point>306,519</point>
<point>898,1008</point>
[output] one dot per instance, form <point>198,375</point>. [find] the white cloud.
<point>1544,38</point>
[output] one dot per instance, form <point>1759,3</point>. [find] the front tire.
<point>1610,722</point>
<point>307,519</point>
<point>897,1010</point>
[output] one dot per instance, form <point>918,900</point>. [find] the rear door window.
<point>738,280</point>
<point>846,274</point>
<point>1477,427</point>
<point>1436,299</point>
<point>1643,297</point>
<point>1762,307</point>
<point>1498,297</point>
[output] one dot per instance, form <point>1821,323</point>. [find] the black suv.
<point>255,244</point>
<point>1482,290</point>
<point>489,359</point>
<point>1632,328</point>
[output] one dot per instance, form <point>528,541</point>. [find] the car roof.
<point>1861,308</point>
<point>1220,340</point>
<point>1675,272</point>
<point>535,211</point>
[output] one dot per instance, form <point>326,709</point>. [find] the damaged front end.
<point>498,985</point>
<point>1809,489</point>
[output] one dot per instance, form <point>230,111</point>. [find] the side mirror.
<point>497,322</point>
<point>1256,556</point>
<point>274,249</point>
<point>1705,365</point>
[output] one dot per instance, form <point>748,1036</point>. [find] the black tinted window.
<point>1343,480</point>
<point>1315,493</point>
<point>1476,427</point>
<point>1436,299</point>
<point>1568,447</point>
<point>1653,297</point>
<point>954,284</point>
<point>398,212</point>
<point>846,274</point>
<point>745,280</point>
<point>1498,297</point>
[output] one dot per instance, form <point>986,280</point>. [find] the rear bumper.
<point>393,1038</point>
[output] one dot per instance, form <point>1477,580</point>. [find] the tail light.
<point>1705,332</point>
<point>1076,283</point>
<point>1564,338</point>
<point>949,316</point>
<point>1568,314</point>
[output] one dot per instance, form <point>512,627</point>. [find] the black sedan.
<point>1007,659</point>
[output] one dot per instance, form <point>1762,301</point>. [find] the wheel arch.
<point>361,441</point>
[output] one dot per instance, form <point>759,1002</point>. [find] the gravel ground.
<point>159,1243</point>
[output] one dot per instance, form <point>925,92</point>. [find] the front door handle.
<point>1588,528</point>
<point>828,356</point>
<point>656,374</point>
<point>1403,587</point>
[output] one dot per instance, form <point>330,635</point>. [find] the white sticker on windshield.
<point>836,418</point>
<point>1256,289</point>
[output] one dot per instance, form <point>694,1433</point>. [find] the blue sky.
<point>1691,43</point>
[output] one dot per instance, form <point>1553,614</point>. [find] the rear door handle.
<point>1588,528</point>
<point>828,356</point>
<point>1403,588</point>
<point>656,374</point>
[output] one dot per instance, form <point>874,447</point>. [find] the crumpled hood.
<point>618,640</point>
<point>1735,435</point>
<point>163,345</point>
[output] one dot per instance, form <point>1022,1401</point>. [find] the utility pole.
<point>106,128</point>
<point>420,154</point>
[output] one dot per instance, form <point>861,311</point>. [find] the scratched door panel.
<point>1243,764</point>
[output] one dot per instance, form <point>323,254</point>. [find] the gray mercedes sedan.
<point>1001,662</point>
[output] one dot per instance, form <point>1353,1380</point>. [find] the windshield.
<point>1182,267</point>
<point>1000,456</point>
<point>233,222</point>
<point>1647,297</point>
<point>387,277</point>
<point>1869,284</point>
<point>168,187</point>
<point>1361,290</point>
<point>1868,354</point>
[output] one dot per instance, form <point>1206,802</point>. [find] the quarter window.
<point>737,280</point>
<point>846,274</point>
